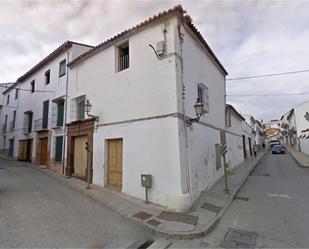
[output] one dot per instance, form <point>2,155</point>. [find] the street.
<point>38,211</point>
<point>276,208</point>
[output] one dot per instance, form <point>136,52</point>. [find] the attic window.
<point>123,61</point>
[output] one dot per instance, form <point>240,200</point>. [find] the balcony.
<point>123,62</point>
<point>4,128</point>
<point>12,126</point>
<point>40,124</point>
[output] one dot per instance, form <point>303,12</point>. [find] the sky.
<point>249,38</point>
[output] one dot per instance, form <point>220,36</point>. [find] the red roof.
<point>175,10</point>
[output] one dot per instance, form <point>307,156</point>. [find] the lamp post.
<point>88,107</point>
<point>199,108</point>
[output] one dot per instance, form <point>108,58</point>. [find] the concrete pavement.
<point>301,158</point>
<point>37,210</point>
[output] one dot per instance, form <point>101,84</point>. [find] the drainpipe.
<point>65,114</point>
<point>188,175</point>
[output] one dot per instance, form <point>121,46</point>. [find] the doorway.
<point>114,163</point>
<point>43,150</point>
<point>80,157</point>
<point>244,146</point>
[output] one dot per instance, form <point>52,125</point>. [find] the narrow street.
<point>275,206</point>
<point>37,211</point>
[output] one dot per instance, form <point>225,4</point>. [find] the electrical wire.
<point>266,95</point>
<point>268,75</point>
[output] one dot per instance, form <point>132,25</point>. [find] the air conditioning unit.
<point>160,48</point>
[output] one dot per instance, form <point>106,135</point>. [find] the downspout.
<point>188,171</point>
<point>65,114</point>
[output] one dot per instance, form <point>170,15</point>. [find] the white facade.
<point>145,105</point>
<point>34,89</point>
<point>302,127</point>
<point>9,113</point>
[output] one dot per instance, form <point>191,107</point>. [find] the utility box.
<point>146,181</point>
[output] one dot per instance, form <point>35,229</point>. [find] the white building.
<point>301,113</point>
<point>39,131</point>
<point>236,137</point>
<point>143,84</point>
<point>10,100</point>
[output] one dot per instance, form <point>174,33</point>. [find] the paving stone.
<point>154,222</point>
<point>211,207</point>
<point>142,215</point>
<point>178,217</point>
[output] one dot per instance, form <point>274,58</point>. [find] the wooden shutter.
<point>58,150</point>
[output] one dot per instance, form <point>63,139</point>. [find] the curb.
<point>296,160</point>
<point>174,235</point>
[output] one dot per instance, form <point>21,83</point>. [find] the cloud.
<point>249,38</point>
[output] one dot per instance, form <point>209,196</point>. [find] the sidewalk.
<point>205,214</point>
<point>301,158</point>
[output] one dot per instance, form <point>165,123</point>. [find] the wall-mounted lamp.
<point>88,107</point>
<point>307,116</point>
<point>199,108</point>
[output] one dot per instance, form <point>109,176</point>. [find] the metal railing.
<point>123,62</point>
<point>40,124</point>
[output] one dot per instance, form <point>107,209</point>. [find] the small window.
<point>203,96</point>
<point>32,86</point>
<point>8,99</point>
<point>47,77</point>
<point>16,93</point>
<point>62,66</point>
<point>123,60</point>
<point>80,108</point>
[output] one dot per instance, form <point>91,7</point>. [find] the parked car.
<point>278,149</point>
<point>272,143</point>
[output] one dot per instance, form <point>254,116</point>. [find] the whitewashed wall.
<point>198,68</point>
<point>302,124</point>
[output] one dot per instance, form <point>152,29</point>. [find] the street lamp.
<point>88,107</point>
<point>199,108</point>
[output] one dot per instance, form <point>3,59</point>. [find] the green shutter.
<point>58,150</point>
<point>60,114</point>
<point>45,114</point>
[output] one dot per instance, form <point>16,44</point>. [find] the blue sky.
<point>249,38</point>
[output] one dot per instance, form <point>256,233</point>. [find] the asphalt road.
<point>38,211</point>
<point>277,208</point>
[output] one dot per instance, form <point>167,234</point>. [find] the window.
<point>228,121</point>
<point>60,113</point>
<point>27,122</point>
<point>203,96</point>
<point>58,149</point>
<point>5,122</point>
<point>14,119</point>
<point>62,66</point>
<point>16,93</point>
<point>80,107</point>
<point>123,60</point>
<point>8,99</point>
<point>45,114</point>
<point>47,77</point>
<point>32,86</point>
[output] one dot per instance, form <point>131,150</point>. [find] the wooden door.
<point>43,150</point>
<point>22,150</point>
<point>114,165</point>
<point>80,156</point>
